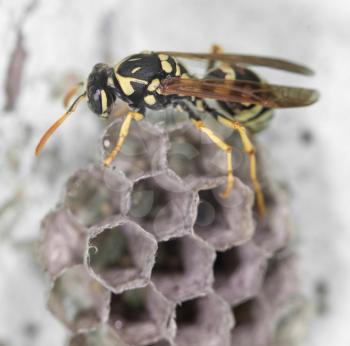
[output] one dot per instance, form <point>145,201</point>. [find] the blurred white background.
<point>306,149</point>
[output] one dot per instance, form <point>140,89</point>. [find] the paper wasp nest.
<point>147,253</point>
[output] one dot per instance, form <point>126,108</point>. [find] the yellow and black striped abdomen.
<point>254,117</point>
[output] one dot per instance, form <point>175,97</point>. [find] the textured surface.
<point>179,262</point>
<point>306,149</point>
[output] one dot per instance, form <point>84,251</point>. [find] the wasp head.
<point>101,90</point>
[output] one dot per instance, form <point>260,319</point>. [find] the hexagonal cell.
<point>253,324</point>
<point>225,222</point>
<point>273,231</point>
<point>204,321</point>
<point>63,241</point>
<point>183,268</point>
<point>143,153</point>
<point>78,300</point>
<point>142,316</point>
<point>95,194</point>
<point>121,254</point>
<point>162,206</point>
<point>239,273</point>
<point>104,336</point>
<point>194,157</point>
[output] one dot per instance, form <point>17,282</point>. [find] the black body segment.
<point>137,80</point>
<point>139,76</point>
<point>239,94</point>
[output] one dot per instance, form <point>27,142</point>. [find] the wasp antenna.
<point>70,93</point>
<point>54,127</point>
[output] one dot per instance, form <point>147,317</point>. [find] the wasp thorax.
<point>101,89</point>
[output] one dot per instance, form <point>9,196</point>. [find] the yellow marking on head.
<point>185,76</point>
<point>103,101</point>
<point>163,57</point>
<point>135,69</point>
<point>150,100</point>
<point>153,85</point>
<point>125,83</point>
<point>166,66</point>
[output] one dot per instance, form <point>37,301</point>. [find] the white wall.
<point>68,37</point>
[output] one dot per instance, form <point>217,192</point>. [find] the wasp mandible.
<point>155,80</point>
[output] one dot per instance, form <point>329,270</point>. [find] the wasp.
<point>241,100</point>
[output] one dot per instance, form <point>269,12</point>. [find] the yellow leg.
<point>223,146</point>
<point>124,131</point>
<point>250,151</point>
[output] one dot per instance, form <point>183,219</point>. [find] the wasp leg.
<point>199,124</point>
<point>214,138</point>
<point>124,131</point>
<point>223,146</point>
<point>250,151</point>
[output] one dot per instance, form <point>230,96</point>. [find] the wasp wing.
<point>240,91</point>
<point>275,63</point>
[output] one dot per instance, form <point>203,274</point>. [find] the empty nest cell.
<point>239,273</point>
<point>183,268</point>
<point>95,194</point>
<point>203,321</point>
<point>142,316</point>
<point>120,255</point>
<point>162,206</point>
<point>225,222</point>
<point>253,325</point>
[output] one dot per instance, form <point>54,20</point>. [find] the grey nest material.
<point>146,252</point>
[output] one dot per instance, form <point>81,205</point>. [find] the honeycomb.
<point>147,253</point>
